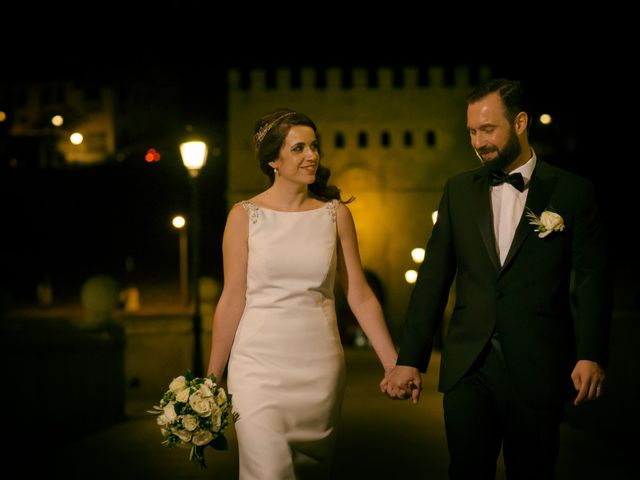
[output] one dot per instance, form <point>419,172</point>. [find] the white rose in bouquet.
<point>178,383</point>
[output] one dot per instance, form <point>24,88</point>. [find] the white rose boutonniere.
<point>548,221</point>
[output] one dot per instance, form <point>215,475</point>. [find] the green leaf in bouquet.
<point>197,455</point>
<point>219,443</point>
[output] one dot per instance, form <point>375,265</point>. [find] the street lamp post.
<point>179,223</point>
<point>194,156</point>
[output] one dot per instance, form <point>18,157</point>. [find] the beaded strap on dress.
<point>332,206</point>
<point>252,210</point>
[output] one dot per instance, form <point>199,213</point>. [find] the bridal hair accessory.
<point>268,126</point>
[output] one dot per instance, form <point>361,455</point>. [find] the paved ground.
<point>379,438</point>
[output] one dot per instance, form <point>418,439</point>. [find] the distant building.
<point>117,120</point>
<point>391,138</point>
<point>86,110</point>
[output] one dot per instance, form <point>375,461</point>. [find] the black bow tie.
<point>500,177</point>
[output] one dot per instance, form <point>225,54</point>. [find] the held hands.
<point>402,382</point>
<point>588,379</point>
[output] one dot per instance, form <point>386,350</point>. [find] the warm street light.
<point>417,255</point>
<point>194,156</point>
<point>76,138</point>
<point>179,223</point>
<point>410,276</point>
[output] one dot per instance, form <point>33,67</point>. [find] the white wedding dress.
<point>286,367</point>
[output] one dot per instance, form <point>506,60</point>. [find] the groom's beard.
<point>505,156</point>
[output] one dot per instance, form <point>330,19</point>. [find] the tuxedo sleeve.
<point>592,286</point>
<point>430,293</point>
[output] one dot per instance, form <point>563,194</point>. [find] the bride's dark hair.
<point>269,134</point>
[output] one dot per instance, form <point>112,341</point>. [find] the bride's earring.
<point>275,171</point>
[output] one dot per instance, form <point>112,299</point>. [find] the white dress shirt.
<point>508,206</point>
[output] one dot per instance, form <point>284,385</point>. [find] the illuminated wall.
<point>89,111</point>
<point>391,145</point>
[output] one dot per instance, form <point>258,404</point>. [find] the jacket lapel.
<point>484,216</point>
<point>540,189</point>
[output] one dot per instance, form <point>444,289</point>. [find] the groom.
<point>529,330</point>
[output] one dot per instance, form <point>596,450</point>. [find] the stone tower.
<point>391,139</point>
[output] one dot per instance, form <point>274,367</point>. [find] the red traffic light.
<point>152,155</point>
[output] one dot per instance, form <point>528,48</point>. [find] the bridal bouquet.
<point>194,413</point>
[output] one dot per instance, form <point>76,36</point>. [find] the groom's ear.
<point>520,122</point>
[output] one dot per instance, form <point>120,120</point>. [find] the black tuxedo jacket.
<point>549,304</point>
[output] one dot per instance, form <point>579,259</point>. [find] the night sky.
<point>568,71</point>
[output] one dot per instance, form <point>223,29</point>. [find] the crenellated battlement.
<point>339,78</point>
<point>391,137</point>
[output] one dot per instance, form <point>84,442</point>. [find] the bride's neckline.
<point>288,211</point>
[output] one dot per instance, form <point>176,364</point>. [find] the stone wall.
<point>390,137</point>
